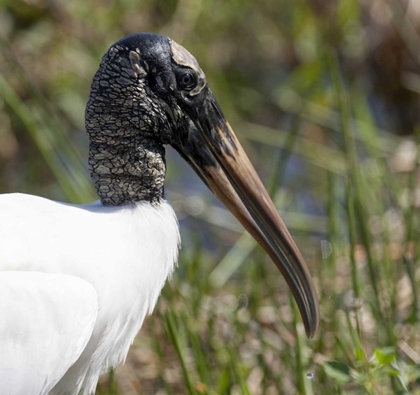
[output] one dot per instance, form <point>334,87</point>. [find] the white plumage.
<point>46,323</point>
<point>58,261</point>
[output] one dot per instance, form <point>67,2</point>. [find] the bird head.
<point>150,87</point>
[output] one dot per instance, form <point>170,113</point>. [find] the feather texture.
<point>125,253</point>
<point>45,325</point>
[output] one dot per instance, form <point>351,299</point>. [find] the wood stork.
<point>76,282</point>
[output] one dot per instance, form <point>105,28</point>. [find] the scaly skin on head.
<point>126,157</point>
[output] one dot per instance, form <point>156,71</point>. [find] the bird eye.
<point>187,81</point>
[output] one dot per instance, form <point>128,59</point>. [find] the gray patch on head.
<point>135,64</point>
<point>126,160</point>
<point>183,58</point>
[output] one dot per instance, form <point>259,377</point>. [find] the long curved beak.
<point>215,153</point>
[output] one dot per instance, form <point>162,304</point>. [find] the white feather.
<point>46,322</point>
<point>126,253</point>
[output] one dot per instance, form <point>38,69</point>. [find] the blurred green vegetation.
<point>324,96</point>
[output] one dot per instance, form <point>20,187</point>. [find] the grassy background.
<point>324,97</point>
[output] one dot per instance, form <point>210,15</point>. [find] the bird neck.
<point>128,172</point>
<point>126,161</point>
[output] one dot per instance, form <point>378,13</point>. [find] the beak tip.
<point>311,320</point>
<point>311,331</point>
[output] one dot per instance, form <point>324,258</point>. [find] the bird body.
<point>77,281</point>
<point>124,254</point>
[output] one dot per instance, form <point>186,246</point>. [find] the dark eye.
<point>187,81</point>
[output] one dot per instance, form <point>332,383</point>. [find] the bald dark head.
<point>151,82</point>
